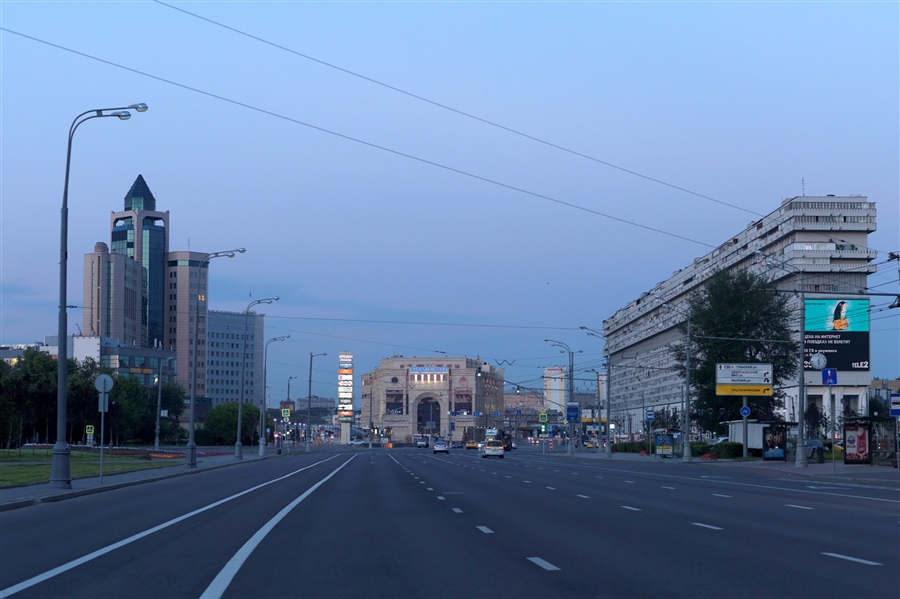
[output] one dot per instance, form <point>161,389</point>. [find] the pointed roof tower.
<point>139,197</point>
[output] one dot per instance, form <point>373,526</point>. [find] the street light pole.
<point>800,457</point>
<point>159,401</point>
<point>309,399</point>
<point>263,435</point>
<point>571,445</point>
<point>190,455</point>
<point>238,449</point>
<point>60,470</point>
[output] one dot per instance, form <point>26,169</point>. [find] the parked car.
<point>441,447</point>
<point>721,440</point>
<point>492,447</point>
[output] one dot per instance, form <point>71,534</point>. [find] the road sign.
<point>89,429</point>
<point>755,374</point>
<point>745,411</point>
<point>496,413</point>
<point>103,383</point>
<point>542,417</point>
<point>895,404</point>
<point>829,376</point>
<point>285,412</point>
<point>650,416</point>
<point>518,412</point>
<point>743,390</point>
<point>572,413</point>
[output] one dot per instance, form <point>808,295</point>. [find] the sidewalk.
<point>16,497</point>
<point>882,476</point>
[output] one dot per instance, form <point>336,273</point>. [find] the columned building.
<point>454,398</point>
<point>817,245</point>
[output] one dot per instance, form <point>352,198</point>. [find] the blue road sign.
<point>895,404</point>
<point>650,416</point>
<point>453,413</point>
<point>475,413</point>
<point>745,411</point>
<point>572,413</point>
<point>518,412</point>
<point>829,376</point>
<point>496,413</point>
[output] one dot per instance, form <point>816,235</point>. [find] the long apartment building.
<point>817,244</point>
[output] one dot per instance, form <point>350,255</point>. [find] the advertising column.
<point>345,395</point>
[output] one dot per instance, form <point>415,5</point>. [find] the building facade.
<point>454,398</point>
<point>817,245</point>
<point>113,296</point>
<point>233,338</point>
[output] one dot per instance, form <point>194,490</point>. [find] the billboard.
<point>837,328</point>
<point>345,387</point>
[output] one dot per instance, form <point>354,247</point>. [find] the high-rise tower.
<point>142,233</point>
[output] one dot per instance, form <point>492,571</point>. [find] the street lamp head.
<point>230,255</point>
<point>241,250</point>
<point>140,107</point>
<point>122,114</point>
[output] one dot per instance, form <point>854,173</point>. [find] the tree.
<point>737,317</point>
<point>221,422</point>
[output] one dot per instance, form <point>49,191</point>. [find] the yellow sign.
<point>286,413</point>
<point>743,390</point>
<point>543,410</point>
<point>89,429</point>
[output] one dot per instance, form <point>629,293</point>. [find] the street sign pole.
<point>745,411</point>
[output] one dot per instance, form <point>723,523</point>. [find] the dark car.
<point>457,445</point>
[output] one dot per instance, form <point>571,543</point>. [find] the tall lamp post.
<point>609,436</point>
<point>190,456</point>
<point>800,457</point>
<point>159,401</point>
<point>686,453</point>
<point>566,349</point>
<point>238,448</point>
<point>309,399</point>
<point>263,435</point>
<point>60,470</point>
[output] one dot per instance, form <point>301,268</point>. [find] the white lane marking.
<point>109,548</point>
<point>441,498</point>
<point>720,495</point>
<point>633,509</point>
<point>598,477</point>
<point>701,525</point>
<point>552,488</point>
<point>429,488</point>
<point>852,559</point>
<point>799,507</point>
<point>630,482</point>
<point>421,482</point>
<point>664,487</point>
<point>583,496</point>
<point>220,583</point>
<point>526,481</point>
<point>485,530</point>
<point>575,473</point>
<point>543,564</point>
<point>457,510</point>
<point>508,476</point>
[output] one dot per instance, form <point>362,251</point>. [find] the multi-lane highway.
<point>408,523</point>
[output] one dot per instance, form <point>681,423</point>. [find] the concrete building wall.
<point>225,349</point>
<point>819,243</point>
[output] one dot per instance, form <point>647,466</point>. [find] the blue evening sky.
<point>249,144</point>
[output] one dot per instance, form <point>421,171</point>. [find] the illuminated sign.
<point>428,369</point>
<point>345,377</point>
<point>838,329</point>
<point>345,371</point>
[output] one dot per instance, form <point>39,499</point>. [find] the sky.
<point>422,178</point>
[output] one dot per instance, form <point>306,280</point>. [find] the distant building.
<point>455,398</point>
<point>226,346</point>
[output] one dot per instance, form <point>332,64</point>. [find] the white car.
<point>441,447</point>
<point>492,447</point>
<point>356,442</point>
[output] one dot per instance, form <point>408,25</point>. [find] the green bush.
<point>632,446</point>
<point>203,436</point>
<point>699,448</point>
<point>728,450</point>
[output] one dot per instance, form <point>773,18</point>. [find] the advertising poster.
<point>856,443</point>
<point>775,442</point>
<point>665,444</point>
<point>838,329</point>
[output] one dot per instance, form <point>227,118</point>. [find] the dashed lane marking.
<point>633,509</point>
<point>543,564</point>
<point>457,510</point>
<point>583,496</point>
<point>701,525</point>
<point>552,488</point>
<point>663,487</point>
<point>441,497</point>
<point>485,530</point>
<point>799,507</point>
<point>852,559</point>
<point>720,495</point>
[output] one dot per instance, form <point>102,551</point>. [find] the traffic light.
<point>543,428</point>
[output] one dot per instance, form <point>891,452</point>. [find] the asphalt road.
<point>408,523</point>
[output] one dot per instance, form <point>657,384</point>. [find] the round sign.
<point>745,411</point>
<point>103,383</point>
<point>818,361</point>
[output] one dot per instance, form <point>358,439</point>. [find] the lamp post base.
<point>262,449</point>
<point>60,471</point>
<point>190,455</point>
<point>238,451</point>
